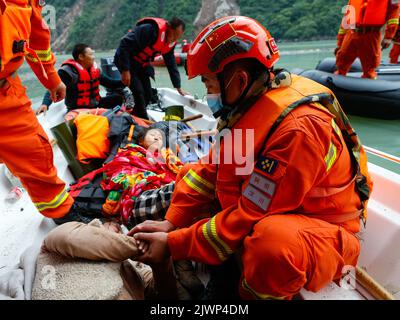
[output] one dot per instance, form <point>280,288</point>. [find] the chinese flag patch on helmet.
<point>220,35</point>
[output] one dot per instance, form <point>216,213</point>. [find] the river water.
<point>383,135</point>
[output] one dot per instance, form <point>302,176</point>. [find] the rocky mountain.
<point>102,23</point>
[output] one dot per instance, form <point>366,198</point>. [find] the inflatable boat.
<point>364,97</point>
<point>180,59</point>
<point>386,71</point>
<point>23,228</point>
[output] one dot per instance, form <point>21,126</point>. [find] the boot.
<point>132,280</point>
<point>187,277</point>
<point>164,283</point>
<point>224,282</point>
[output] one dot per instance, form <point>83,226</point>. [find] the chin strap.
<point>231,114</point>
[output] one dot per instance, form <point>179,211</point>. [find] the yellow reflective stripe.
<point>197,183</point>
<point>44,55</point>
<point>31,58</point>
<point>342,31</point>
<point>393,21</point>
<point>336,128</point>
<point>201,180</point>
<point>257,295</point>
<point>330,158</point>
<point>211,235</point>
<point>57,201</point>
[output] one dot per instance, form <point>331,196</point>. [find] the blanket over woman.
<point>133,171</point>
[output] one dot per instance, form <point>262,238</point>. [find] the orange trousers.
<point>288,252</point>
<point>366,46</point>
<point>26,151</point>
<point>395,53</point>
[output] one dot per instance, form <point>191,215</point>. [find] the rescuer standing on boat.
<point>150,37</point>
<point>395,52</point>
<point>292,225</point>
<point>360,34</point>
<point>24,146</point>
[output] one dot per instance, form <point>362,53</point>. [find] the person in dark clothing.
<point>82,78</point>
<point>137,48</point>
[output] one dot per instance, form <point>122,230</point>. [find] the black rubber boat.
<point>386,71</point>
<point>363,97</point>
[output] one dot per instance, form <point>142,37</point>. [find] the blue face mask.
<point>214,101</point>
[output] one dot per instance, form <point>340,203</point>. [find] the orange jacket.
<point>304,168</point>
<point>23,33</point>
<point>372,13</point>
<point>396,38</point>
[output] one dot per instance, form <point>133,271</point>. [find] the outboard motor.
<point>110,70</point>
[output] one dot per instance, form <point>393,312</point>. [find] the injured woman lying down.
<point>135,169</point>
<point>96,260</point>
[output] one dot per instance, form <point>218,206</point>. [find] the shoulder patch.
<point>267,165</point>
<point>261,182</point>
<point>257,197</point>
<point>260,191</point>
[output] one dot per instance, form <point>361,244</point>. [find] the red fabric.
<point>395,53</point>
<point>370,12</point>
<point>88,83</point>
<point>393,13</point>
<point>25,149</point>
<point>160,46</point>
<point>366,46</point>
<point>134,170</point>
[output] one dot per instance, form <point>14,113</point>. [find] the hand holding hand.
<point>157,250</point>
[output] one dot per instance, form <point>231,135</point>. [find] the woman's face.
<point>153,139</point>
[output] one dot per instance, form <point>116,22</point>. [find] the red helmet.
<point>228,39</point>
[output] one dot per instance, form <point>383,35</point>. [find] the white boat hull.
<point>21,225</point>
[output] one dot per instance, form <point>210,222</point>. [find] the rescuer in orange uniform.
<point>292,215</point>
<point>24,146</point>
<point>360,34</point>
<point>395,52</point>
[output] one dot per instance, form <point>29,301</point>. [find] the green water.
<point>383,135</point>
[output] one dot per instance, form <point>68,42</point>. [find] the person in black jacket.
<point>73,72</point>
<point>137,48</point>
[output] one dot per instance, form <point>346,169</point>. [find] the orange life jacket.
<point>275,105</point>
<point>159,47</point>
<point>88,83</point>
<point>92,137</point>
<point>370,12</point>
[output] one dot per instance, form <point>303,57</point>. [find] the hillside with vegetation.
<point>102,23</point>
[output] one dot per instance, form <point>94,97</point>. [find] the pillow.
<point>92,137</point>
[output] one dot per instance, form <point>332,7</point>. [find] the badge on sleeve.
<point>267,165</point>
<point>260,191</point>
<point>257,197</point>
